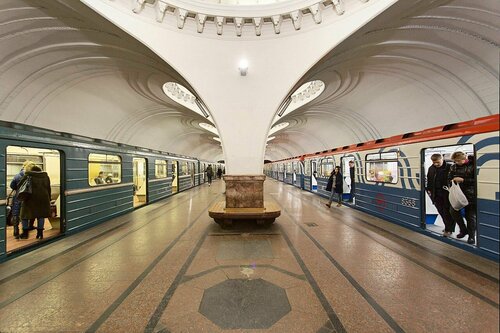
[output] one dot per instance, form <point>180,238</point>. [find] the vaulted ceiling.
<point>420,64</point>
<point>63,67</point>
<point>417,65</point>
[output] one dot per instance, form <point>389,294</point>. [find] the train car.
<point>92,180</point>
<point>389,177</point>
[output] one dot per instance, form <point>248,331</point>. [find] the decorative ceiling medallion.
<point>239,13</point>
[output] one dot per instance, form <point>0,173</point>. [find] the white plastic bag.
<point>457,198</point>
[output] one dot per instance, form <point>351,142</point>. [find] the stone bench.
<point>226,216</point>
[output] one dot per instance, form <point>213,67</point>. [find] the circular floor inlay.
<point>247,304</point>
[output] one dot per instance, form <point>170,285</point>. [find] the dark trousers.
<point>443,207</point>
<point>470,217</point>
<point>209,179</point>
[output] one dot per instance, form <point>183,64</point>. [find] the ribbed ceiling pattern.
<point>418,65</point>
<point>65,68</point>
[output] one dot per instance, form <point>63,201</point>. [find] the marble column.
<point>244,191</point>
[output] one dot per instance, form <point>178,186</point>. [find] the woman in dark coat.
<point>335,184</point>
<point>16,204</point>
<point>37,205</point>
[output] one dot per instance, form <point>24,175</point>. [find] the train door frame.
<point>175,176</point>
<point>302,169</point>
<point>344,167</point>
<point>202,171</point>
<point>59,211</point>
<point>192,171</point>
<point>294,172</point>
<point>424,197</point>
<point>146,177</point>
<point>314,175</point>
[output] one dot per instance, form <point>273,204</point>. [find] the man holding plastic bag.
<point>462,173</point>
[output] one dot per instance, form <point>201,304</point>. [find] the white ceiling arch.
<point>417,65</point>
<point>63,67</point>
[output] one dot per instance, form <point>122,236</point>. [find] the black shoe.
<point>39,233</point>
<point>461,235</point>
<point>16,232</point>
<point>25,234</point>
<point>471,240</point>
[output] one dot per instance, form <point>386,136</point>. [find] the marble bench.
<point>226,216</point>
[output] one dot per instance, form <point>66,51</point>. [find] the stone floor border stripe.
<point>107,313</point>
<point>281,270</point>
<point>432,270</point>
<point>57,255</point>
<point>377,307</point>
<point>65,269</point>
<point>442,256</point>
<point>451,260</point>
<point>155,318</point>
<point>334,319</point>
<point>424,266</point>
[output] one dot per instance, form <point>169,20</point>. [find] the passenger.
<point>99,180</point>
<point>462,173</point>
<point>335,185</point>
<point>437,177</point>
<point>352,172</point>
<point>219,173</point>
<point>38,204</point>
<point>109,178</point>
<point>16,204</point>
<point>210,174</point>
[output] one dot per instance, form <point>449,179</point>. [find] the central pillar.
<point>244,191</point>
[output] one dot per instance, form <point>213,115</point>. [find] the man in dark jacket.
<point>335,185</point>
<point>463,173</point>
<point>210,174</point>
<point>437,177</point>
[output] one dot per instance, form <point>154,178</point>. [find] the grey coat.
<point>38,204</point>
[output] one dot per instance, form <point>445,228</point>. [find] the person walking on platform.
<point>210,174</point>
<point>437,177</point>
<point>37,205</point>
<point>335,184</point>
<point>219,173</point>
<point>463,173</point>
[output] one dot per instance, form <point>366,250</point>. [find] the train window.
<point>183,168</point>
<point>307,168</point>
<point>393,155</point>
<point>161,169</point>
<point>104,169</point>
<point>289,168</point>
<point>326,167</point>
<point>382,167</point>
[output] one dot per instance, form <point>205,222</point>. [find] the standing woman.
<point>37,205</point>
<point>337,182</point>
<point>16,204</point>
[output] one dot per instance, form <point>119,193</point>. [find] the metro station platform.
<point>168,267</point>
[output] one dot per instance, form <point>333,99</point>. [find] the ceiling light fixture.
<point>243,67</point>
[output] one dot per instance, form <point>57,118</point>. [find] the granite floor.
<point>167,267</point>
